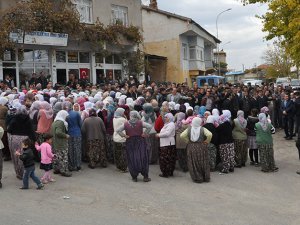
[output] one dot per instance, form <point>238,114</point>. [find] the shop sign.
<point>40,38</point>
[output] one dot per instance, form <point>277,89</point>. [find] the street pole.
<point>218,59</point>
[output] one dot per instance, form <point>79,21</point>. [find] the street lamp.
<point>218,60</point>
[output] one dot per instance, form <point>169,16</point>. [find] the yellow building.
<point>180,47</point>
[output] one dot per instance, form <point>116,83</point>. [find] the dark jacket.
<point>262,102</point>
<point>27,157</point>
<point>225,133</point>
<point>251,121</point>
<point>254,103</point>
<point>213,130</point>
<point>21,125</point>
<point>297,107</point>
<point>289,108</point>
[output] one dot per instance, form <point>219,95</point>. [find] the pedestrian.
<point>287,107</point>
<point>198,157</point>
<point>180,143</point>
<point>28,160</point>
<point>214,143</point>
<point>149,116</point>
<point>1,155</point>
<point>3,116</point>
<point>136,149</point>
<point>240,139</point>
<point>226,145</point>
<point>75,141</point>
<point>59,130</point>
<point>46,158</point>
<point>119,142</point>
<point>251,137</point>
<point>45,119</point>
<point>19,128</point>
<point>264,131</point>
<point>94,132</point>
<point>167,152</point>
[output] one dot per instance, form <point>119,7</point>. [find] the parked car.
<point>209,80</point>
<point>284,81</point>
<point>253,82</point>
<point>295,84</point>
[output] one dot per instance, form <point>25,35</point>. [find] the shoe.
<point>265,171</point>
<point>275,169</point>
<point>23,188</point>
<point>44,181</point>
<point>66,174</point>
<point>224,171</point>
<point>243,164</point>
<point>298,172</point>
<point>20,178</point>
<point>285,137</point>
<point>147,179</point>
<point>7,159</point>
<point>91,167</point>
<point>231,170</point>
<point>164,176</point>
<point>56,172</point>
<point>256,164</point>
<point>52,180</point>
<point>134,179</point>
<point>252,163</point>
<point>0,184</point>
<point>239,166</point>
<point>289,138</point>
<point>78,168</point>
<point>40,187</point>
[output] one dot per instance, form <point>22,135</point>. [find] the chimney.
<point>153,4</point>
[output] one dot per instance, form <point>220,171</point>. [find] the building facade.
<point>186,47</point>
<point>76,57</point>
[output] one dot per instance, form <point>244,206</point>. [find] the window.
<point>117,59</point>
<point>196,53</point>
<point>184,51</point>
<point>109,59</point>
<point>60,57</point>
<point>99,58</point>
<point>84,57</point>
<point>85,9</point>
<point>73,57</point>
<point>119,15</point>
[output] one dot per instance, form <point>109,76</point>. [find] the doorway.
<point>62,76</point>
<point>12,73</point>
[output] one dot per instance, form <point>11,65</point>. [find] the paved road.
<point>107,197</point>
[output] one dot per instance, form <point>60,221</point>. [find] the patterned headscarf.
<point>148,112</point>
<point>179,118</point>
<point>226,115</point>
<point>241,119</point>
<point>202,110</point>
<point>119,113</point>
<point>263,121</point>
<point>47,109</point>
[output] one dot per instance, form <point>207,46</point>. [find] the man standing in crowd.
<point>287,107</point>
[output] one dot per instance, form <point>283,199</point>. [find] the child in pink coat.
<point>46,158</point>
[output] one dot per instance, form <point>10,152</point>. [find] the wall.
<point>102,10</point>
<point>4,4</point>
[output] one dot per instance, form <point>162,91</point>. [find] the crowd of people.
<point>131,125</point>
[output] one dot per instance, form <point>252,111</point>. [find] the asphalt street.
<point>108,197</point>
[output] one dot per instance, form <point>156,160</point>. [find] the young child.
<point>264,131</point>
<point>46,158</point>
<point>28,161</point>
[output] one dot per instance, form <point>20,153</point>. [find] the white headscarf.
<point>3,101</point>
<point>172,105</point>
<point>187,105</point>
<point>188,108</point>
<point>195,129</point>
<point>39,97</point>
<point>177,107</point>
<point>62,116</point>
<point>263,121</point>
<point>210,119</point>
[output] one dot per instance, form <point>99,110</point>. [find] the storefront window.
<point>27,55</point>
<point>117,59</point>
<point>84,57</point>
<point>109,59</point>
<point>99,58</point>
<point>41,56</point>
<point>9,56</point>
<point>118,74</point>
<point>60,57</point>
<point>73,57</point>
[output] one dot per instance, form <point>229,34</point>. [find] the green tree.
<point>282,23</point>
<point>280,63</point>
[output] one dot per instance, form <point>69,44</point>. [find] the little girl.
<point>46,158</point>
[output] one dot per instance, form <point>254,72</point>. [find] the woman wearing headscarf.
<point>59,130</point>
<point>56,108</point>
<point>136,146</point>
<point>216,115</point>
<point>253,149</point>
<point>74,143</point>
<point>93,130</point>
<point>202,111</point>
<point>240,139</point>
<point>214,143</point>
<point>109,132</point>
<point>87,107</point>
<point>180,143</point>
<point>45,119</point>
<point>3,115</point>
<point>264,131</point>
<point>19,128</point>
<point>149,116</point>
<point>119,142</point>
<point>198,158</point>
<point>34,113</point>
<point>226,145</point>
<point>167,152</point>
<point>159,122</point>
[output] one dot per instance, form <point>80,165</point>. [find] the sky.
<point>239,29</point>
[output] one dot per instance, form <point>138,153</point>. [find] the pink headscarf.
<point>47,109</point>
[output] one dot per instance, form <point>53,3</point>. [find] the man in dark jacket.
<point>287,107</point>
